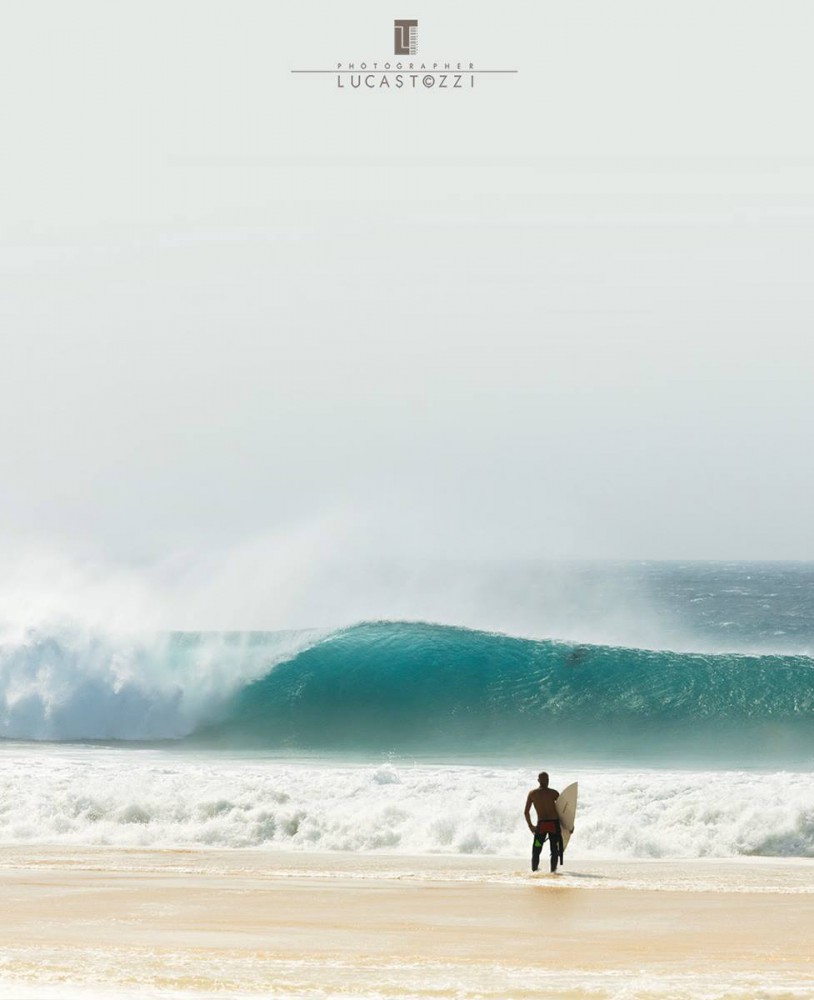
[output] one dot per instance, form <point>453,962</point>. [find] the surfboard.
<point>566,809</point>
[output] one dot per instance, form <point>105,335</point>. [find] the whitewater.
<point>147,798</point>
<point>423,737</point>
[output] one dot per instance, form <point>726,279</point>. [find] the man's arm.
<point>527,812</point>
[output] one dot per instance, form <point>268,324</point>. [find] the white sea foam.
<point>377,980</point>
<point>268,976</point>
<point>166,799</point>
<point>73,684</point>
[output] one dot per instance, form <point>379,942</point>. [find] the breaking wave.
<point>400,686</point>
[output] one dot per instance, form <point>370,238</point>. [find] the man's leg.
<point>555,850</point>
<point>536,847</point>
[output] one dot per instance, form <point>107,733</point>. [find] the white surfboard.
<point>566,809</point>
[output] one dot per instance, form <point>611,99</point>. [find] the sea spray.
<point>72,684</point>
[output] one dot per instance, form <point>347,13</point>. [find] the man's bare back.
<point>543,800</point>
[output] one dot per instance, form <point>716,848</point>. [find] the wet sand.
<point>100,921</point>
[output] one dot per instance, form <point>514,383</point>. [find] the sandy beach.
<point>89,922</point>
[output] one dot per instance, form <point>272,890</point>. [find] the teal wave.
<point>395,685</point>
<point>406,687</point>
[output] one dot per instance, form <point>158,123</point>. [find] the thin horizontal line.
<point>425,72</point>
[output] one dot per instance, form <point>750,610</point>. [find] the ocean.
<point>679,695</point>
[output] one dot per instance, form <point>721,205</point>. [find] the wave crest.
<point>396,685</point>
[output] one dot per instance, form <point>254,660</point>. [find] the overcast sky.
<point>566,312</point>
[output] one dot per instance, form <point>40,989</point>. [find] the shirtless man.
<point>548,822</point>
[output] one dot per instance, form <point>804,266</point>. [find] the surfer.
<point>548,822</point>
